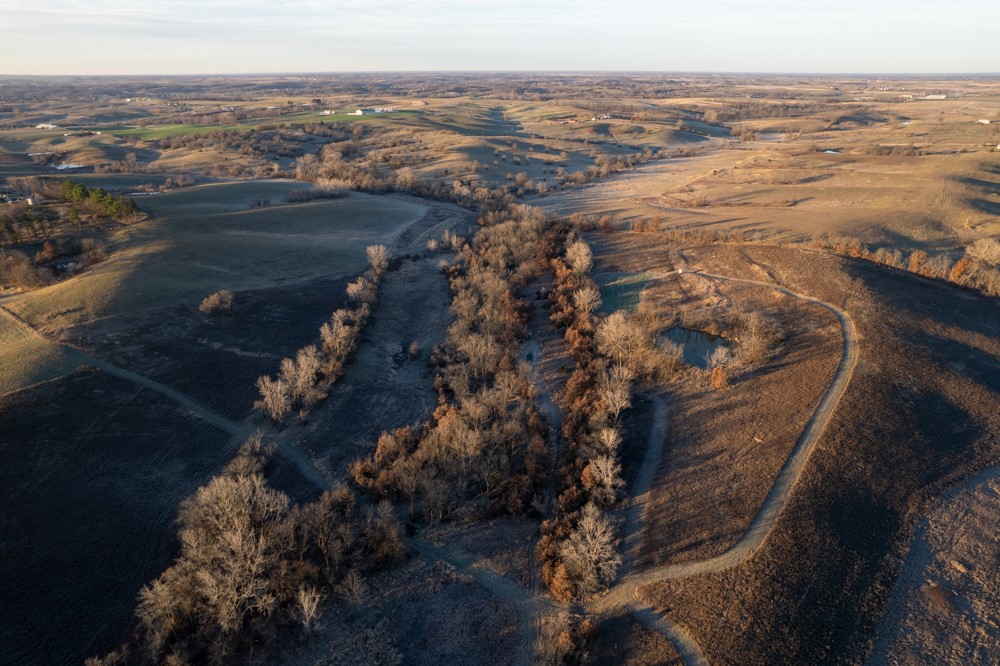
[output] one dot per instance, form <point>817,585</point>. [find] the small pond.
<point>698,345</point>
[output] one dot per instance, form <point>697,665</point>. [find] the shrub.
<point>221,302</point>
<point>16,271</point>
<point>720,378</point>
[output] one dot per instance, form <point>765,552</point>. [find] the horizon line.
<point>523,71</point>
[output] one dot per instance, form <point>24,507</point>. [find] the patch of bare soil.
<point>418,613</point>
<point>918,416</point>
<point>945,608</point>
<point>622,640</point>
<point>505,545</point>
<point>93,470</point>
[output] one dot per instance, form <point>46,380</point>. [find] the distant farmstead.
<point>48,126</point>
<point>365,112</point>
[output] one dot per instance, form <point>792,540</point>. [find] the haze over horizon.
<point>256,36</point>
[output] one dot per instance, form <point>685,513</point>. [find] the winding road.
<point>625,595</point>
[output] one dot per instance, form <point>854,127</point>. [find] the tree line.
<point>306,379</point>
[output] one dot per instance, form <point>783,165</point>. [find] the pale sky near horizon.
<point>257,36</point>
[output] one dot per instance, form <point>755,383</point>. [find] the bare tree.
<point>615,391</point>
<point>590,554</point>
<point>275,398</point>
<point>378,257</point>
<point>300,375</point>
<point>307,606</point>
<point>361,290</point>
<point>618,339</point>
<point>602,477</point>
<point>579,257</point>
<point>587,299</point>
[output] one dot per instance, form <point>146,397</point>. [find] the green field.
<point>206,238</point>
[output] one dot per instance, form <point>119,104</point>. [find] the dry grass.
<point>917,417</point>
<point>27,360</point>
<point>946,604</point>
<point>785,193</point>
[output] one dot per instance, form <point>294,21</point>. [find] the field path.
<point>208,415</point>
<point>626,593</point>
<point>530,605</point>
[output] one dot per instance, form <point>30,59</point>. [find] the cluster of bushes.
<point>18,272</point>
<point>563,639</point>
<point>351,168</point>
<point>978,268</point>
<point>306,379</point>
<point>753,110</point>
<point>265,142</point>
<point>897,150</point>
<point>485,449</point>
<point>321,192</point>
<point>115,207</point>
<point>57,257</point>
<point>252,565</point>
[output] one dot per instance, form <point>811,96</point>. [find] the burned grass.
<point>94,468</point>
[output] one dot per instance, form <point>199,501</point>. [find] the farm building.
<point>363,112</point>
<point>48,126</point>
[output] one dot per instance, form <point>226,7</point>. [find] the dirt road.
<point>626,593</point>
<point>529,605</point>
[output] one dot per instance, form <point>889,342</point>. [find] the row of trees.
<point>978,268</point>
<point>485,448</point>
<point>306,379</point>
<point>578,549</point>
<point>612,354</point>
<point>252,565</point>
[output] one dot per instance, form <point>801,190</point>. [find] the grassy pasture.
<point>203,239</point>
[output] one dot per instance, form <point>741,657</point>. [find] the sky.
<point>259,36</point>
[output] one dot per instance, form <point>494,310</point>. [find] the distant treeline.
<point>221,116</point>
<point>755,110</point>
